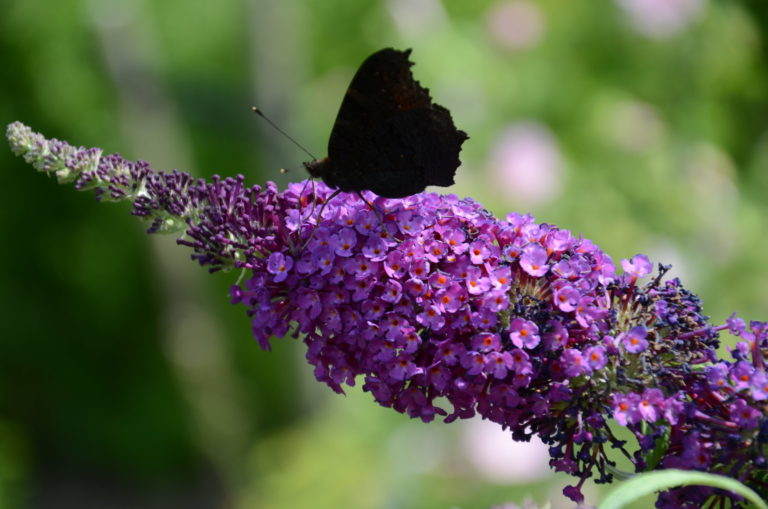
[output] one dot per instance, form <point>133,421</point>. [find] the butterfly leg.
<point>300,202</point>
<point>376,211</point>
<point>373,208</point>
<point>319,217</point>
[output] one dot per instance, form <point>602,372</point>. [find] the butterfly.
<point>389,137</point>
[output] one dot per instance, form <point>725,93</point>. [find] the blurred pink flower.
<point>661,18</point>
<point>499,459</point>
<point>515,24</point>
<point>526,164</point>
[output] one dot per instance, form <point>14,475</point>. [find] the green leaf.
<point>651,482</point>
<point>761,478</point>
<point>660,447</point>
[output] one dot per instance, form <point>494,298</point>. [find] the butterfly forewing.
<point>388,136</point>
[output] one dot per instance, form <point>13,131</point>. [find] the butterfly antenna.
<point>262,115</point>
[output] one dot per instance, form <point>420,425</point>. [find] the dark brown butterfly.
<point>389,137</point>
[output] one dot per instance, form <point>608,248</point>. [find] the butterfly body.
<point>389,137</point>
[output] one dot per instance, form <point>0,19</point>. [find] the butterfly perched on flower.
<point>389,137</point>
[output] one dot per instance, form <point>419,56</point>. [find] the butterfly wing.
<point>389,137</point>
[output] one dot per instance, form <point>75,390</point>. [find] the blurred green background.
<point>126,378</point>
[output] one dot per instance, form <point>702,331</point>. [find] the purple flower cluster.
<point>440,302</point>
<point>443,310</point>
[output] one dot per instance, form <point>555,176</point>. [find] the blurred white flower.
<point>635,126</point>
<point>527,504</point>
<point>516,24</point>
<point>661,18</point>
<point>526,164</point>
<point>498,458</point>
<point>415,17</point>
<point>111,14</point>
<point>666,250</point>
<point>424,447</point>
<point>710,176</point>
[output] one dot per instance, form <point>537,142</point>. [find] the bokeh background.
<point>126,378</point>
